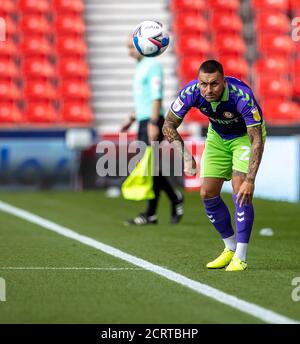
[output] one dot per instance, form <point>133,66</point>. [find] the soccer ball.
<point>150,39</point>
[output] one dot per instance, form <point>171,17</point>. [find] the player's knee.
<point>207,193</point>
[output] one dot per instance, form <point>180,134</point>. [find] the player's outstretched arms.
<point>170,132</point>
<point>246,190</point>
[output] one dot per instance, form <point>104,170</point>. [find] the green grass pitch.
<point>134,295</point>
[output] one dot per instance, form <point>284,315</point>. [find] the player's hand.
<point>190,167</point>
<point>126,126</point>
<point>153,132</point>
<point>245,193</point>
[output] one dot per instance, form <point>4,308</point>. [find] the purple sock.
<point>244,218</point>
<point>219,216</point>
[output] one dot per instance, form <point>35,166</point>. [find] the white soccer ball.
<point>150,38</point>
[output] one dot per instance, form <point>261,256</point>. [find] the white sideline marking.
<point>64,268</point>
<point>203,289</point>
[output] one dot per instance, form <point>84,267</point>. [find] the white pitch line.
<point>256,311</point>
<point>65,268</point>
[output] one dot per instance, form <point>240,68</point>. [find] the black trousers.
<point>159,182</point>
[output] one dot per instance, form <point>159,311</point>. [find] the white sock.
<point>230,243</point>
<point>241,251</point>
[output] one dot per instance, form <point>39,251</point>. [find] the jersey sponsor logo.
<point>177,105</point>
<point>228,115</point>
<point>223,121</point>
<point>256,115</point>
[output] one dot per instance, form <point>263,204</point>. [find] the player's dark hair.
<point>211,66</point>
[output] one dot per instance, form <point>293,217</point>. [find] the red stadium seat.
<point>235,66</point>
<point>278,112</point>
<point>35,24</point>
<point>36,46</point>
<point>7,8</point>
<point>67,45</point>
<point>273,23</point>
<point>296,85</point>
<point>8,70</point>
<point>39,90</point>
<point>276,44</point>
<point>192,44</point>
<point>188,5</point>
<point>270,5</point>
<point>295,5</point>
<point>226,23</point>
<point>274,88</point>
<point>272,66</point>
<point>229,44</point>
<point>69,24</point>
<point>40,112</point>
<point>9,91</point>
<point>73,68</point>
<point>190,23</point>
<point>188,67</point>
<point>68,6</point>
<point>8,49</point>
<point>74,89</point>
<point>224,5</point>
<point>38,68</point>
<point>34,6</point>
<point>11,29</point>
<point>76,112</point>
<point>9,113</point>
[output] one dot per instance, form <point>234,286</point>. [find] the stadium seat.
<point>272,66</point>
<point>7,8</point>
<point>235,66</point>
<point>11,29</point>
<point>278,112</point>
<point>229,44</point>
<point>68,45</point>
<point>9,113</point>
<point>68,6</point>
<point>274,88</point>
<point>9,91</point>
<point>270,5</point>
<point>188,5</point>
<point>8,49</point>
<point>279,45</point>
<point>74,89</point>
<point>224,5</point>
<point>188,67</point>
<point>73,68</point>
<point>76,112</point>
<point>226,23</point>
<point>296,86</point>
<point>34,6</point>
<point>36,46</point>
<point>38,68</point>
<point>273,23</point>
<point>69,24</point>
<point>40,112</point>
<point>295,6</point>
<point>192,44</point>
<point>194,115</point>
<point>195,24</point>
<point>8,70</point>
<point>35,24</point>
<point>39,90</point>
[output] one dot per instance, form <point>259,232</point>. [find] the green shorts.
<point>220,157</point>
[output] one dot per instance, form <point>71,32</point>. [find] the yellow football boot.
<point>236,265</point>
<point>222,261</point>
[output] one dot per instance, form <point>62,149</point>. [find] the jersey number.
<point>246,153</point>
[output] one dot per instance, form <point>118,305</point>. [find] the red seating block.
<point>192,44</point>
<point>39,90</point>
<point>34,6</point>
<point>9,113</point>
<point>76,112</point>
<point>9,91</point>
<point>38,68</point>
<point>35,24</point>
<point>73,68</point>
<point>74,89</point>
<point>68,45</point>
<point>278,112</point>
<point>40,112</point>
<point>8,70</point>
<point>273,23</point>
<point>187,5</point>
<point>36,46</point>
<point>68,6</point>
<point>69,24</point>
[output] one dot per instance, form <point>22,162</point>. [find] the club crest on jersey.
<point>256,115</point>
<point>177,105</point>
<point>228,115</point>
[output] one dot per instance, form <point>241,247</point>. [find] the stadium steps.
<point>108,24</point>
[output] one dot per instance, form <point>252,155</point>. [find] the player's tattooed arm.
<point>257,148</point>
<point>171,124</point>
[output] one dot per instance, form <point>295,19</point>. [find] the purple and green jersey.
<point>229,117</point>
